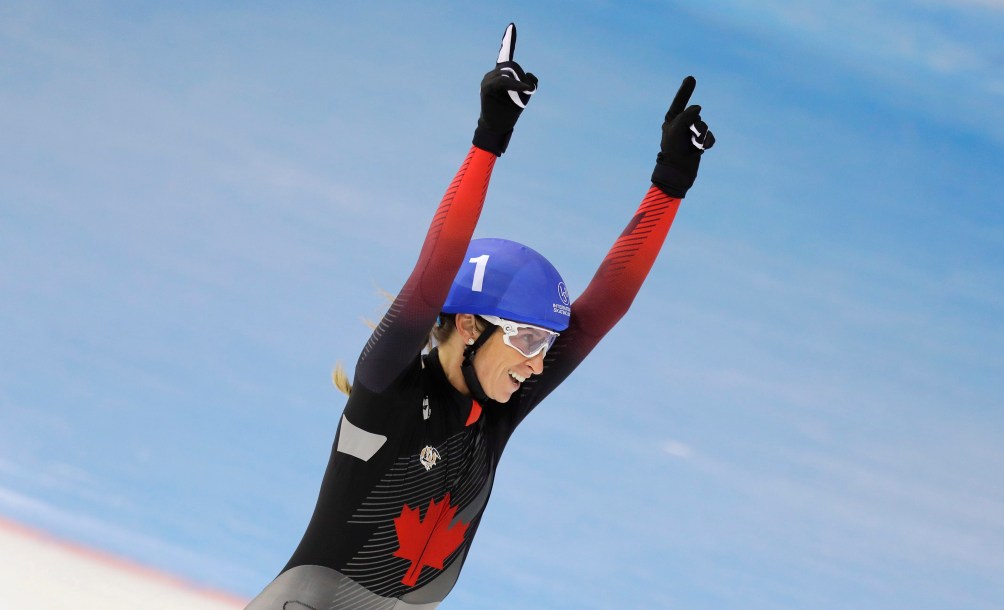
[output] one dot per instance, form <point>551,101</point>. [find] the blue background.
<point>201,202</point>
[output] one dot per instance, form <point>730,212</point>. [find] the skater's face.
<point>500,368</point>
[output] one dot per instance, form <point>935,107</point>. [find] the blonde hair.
<point>438,334</point>
<point>339,378</point>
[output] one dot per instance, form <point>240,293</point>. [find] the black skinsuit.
<point>414,459</point>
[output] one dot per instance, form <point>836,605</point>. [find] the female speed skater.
<point>415,454</point>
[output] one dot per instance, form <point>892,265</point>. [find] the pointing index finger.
<point>682,97</point>
<point>508,44</point>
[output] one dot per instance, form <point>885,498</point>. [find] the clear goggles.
<point>526,339</point>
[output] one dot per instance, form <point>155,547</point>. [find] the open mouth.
<point>516,378</point>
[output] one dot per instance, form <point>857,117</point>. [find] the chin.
<point>503,398</point>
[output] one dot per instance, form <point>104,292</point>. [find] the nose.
<point>537,363</point>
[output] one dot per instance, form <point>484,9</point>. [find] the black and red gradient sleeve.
<point>609,295</point>
<point>616,283</point>
<point>403,331</point>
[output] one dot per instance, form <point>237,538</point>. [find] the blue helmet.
<point>509,280</point>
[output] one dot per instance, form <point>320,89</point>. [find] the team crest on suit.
<point>429,457</point>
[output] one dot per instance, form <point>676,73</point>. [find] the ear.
<point>467,325</point>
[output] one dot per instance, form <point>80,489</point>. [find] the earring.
<point>470,342</point>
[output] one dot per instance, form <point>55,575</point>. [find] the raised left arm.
<point>613,288</point>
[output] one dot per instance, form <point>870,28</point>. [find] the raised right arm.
<point>403,331</point>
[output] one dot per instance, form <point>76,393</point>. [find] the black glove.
<point>685,137</point>
<point>505,92</point>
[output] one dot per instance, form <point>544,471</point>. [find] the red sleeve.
<point>610,293</point>
<point>620,276</point>
<point>402,332</point>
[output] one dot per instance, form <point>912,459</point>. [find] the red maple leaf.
<point>428,542</point>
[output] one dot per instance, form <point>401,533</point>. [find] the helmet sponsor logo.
<point>562,308</point>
